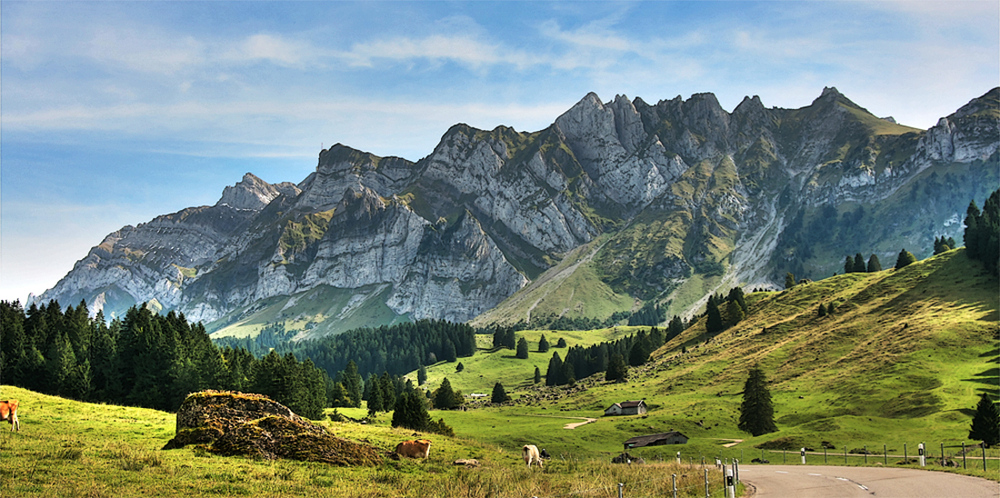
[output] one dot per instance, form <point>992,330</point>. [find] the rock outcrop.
<point>228,423</point>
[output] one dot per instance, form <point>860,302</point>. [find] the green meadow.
<point>902,360</point>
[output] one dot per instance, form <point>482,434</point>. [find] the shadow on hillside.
<point>991,377</point>
<point>956,280</point>
<point>994,352</point>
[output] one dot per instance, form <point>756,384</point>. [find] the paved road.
<point>811,481</point>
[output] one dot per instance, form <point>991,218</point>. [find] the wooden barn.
<point>672,437</point>
<point>627,408</point>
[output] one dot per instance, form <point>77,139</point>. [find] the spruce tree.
<point>553,376</point>
<point>499,394</point>
<point>873,264</point>
<point>848,265</point>
<point>756,411</point>
<point>561,343</point>
<point>617,372</point>
<point>543,345</point>
<point>859,263</point>
<point>353,383</point>
<point>444,397</point>
<point>422,375</point>
<point>713,318</point>
<point>538,376</point>
<point>639,353</point>
<point>734,312</point>
<point>411,411</point>
<point>972,215</point>
<point>905,258</point>
<point>522,349</point>
<point>789,280</point>
<point>822,310</point>
<point>986,422</point>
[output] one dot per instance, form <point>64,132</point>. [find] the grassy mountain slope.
<point>903,360</point>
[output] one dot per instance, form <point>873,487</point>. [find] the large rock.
<point>253,425</point>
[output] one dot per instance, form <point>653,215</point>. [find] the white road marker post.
<point>920,453</point>
<point>730,485</point>
<point>678,458</point>
<point>803,454</point>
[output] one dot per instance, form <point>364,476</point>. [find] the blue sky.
<point>114,112</point>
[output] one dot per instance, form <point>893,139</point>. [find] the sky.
<point>112,113</point>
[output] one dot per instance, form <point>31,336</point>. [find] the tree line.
<point>142,359</point>
<point>982,232</point>
<point>395,349</point>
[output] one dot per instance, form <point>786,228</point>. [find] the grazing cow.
<point>418,448</point>
<point>545,454</point>
<point>8,412</point>
<point>530,454</point>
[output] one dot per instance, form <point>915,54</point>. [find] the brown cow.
<point>530,454</point>
<point>8,412</point>
<point>418,448</point>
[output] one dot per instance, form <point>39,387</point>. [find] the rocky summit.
<point>615,205</point>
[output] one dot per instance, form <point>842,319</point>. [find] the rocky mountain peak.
<point>251,193</point>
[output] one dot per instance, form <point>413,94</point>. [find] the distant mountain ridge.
<point>667,202</point>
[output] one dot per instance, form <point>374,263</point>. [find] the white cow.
<point>530,454</point>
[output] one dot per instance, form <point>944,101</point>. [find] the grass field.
<point>902,361</point>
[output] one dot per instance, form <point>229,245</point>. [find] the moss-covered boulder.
<point>229,423</point>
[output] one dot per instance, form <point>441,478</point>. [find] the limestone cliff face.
<point>679,187</point>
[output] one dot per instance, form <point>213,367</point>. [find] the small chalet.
<point>627,408</point>
<point>672,437</point>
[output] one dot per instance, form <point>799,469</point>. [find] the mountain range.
<point>615,205</point>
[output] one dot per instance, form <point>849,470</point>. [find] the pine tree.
<point>459,367</point>
<point>830,309</point>
<point>553,376</point>
<point>859,263</point>
<point>905,258</point>
<point>734,312</point>
<point>543,345</point>
<point>986,422</point>
<point>445,398</point>
<point>538,376</point>
<point>561,343</point>
<point>972,215</point>
<point>848,265</point>
<point>789,280</point>
<point>675,327</point>
<point>639,353</point>
<point>353,383</point>
<point>499,394</point>
<point>822,310</point>
<point>873,264</point>
<point>522,349</point>
<point>422,375</point>
<point>713,318</point>
<point>411,411</point>
<point>756,411</point>
<point>617,372</point>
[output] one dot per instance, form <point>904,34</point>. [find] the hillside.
<point>613,206</point>
<point>902,360</point>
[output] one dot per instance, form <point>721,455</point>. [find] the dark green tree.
<point>421,375</point>
<point>675,327</point>
<point>554,374</point>
<point>756,411</point>
<point>789,280</point>
<point>734,313</point>
<point>543,345</point>
<point>445,398</point>
<point>905,258</point>
<point>873,264</point>
<point>822,310</point>
<point>713,318</point>
<point>859,263</point>
<point>986,422</point>
<point>830,309</point>
<point>522,349</point>
<point>639,353</point>
<point>561,343</point>
<point>499,394</point>
<point>848,265</point>
<point>617,372</point>
<point>411,411</point>
<point>972,216</point>
<point>459,367</point>
<point>538,376</point>
<point>353,384</point>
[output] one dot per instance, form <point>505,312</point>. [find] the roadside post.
<point>802,453</point>
<point>736,469</point>
<point>678,458</point>
<point>673,478</point>
<point>920,454</point>
<point>983,446</point>
<point>730,485</point>
<point>963,456</point>
<point>885,455</point>
<point>706,484</point>
<point>942,455</point>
